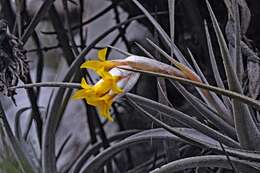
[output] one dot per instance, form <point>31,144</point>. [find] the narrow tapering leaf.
<point>183,119</point>
<point>214,66</point>
<point>206,111</point>
<point>164,35</point>
<point>212,99</point>
<point>247,132</point>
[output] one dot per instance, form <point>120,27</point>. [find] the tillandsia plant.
<point>218,133</point>
<point>228,122</point>
<point>13,62</point>
<point>115,80</point>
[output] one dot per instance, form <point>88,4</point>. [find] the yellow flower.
<point>103,93</point>
<point>100,66</point>
<point>100,95</point>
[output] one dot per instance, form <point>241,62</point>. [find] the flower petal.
<point>100,67</point>
<point>102,87</point>
<point>80,94</point>
<point>102,54</point>
<point>115,88</point>
<point>84,84</point>
<point>105,105</point>
<point>92,64</point>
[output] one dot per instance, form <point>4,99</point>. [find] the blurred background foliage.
<point>45,131</point>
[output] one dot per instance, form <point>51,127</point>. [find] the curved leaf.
<point>217,161</point>
<point>18,151</point>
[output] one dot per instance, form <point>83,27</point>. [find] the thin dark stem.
<point>46,49</point>
<point>122,128</point>
<point>61,35</point>
<point>104,139</point>
<point>63,146</point>
<point>36,19</point>
<point>7,13</point>
<point>228,158</point>
<point>110,7</point>
<point>48,84</point>
<point>28,128</point>
<point>20,5</point>
<point>119,36</point>
<point>36,40</point>
<point>68,22</point>
<point>36,112</point>
<point>121,29</point>
<point>91,122</point>
<point>40,63</point>
<point>100,14</point>
<point>81,34</point>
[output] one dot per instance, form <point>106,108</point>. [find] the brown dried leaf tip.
<point>13,62</point>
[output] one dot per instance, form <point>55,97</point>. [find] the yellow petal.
<point>84,84</point>
<point>102,88</point>
<point>99,66</point>
<point>105,105</point>
<point>94,101</point>
<point>92,64</point>
<point>102,54</point>
<point>80,94</point>
<point>116,89</point>
<point>87,91</point>
<point>108,99</point>
<point>101,72</point>
<point>103,109</point>
<point>109,82</point>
